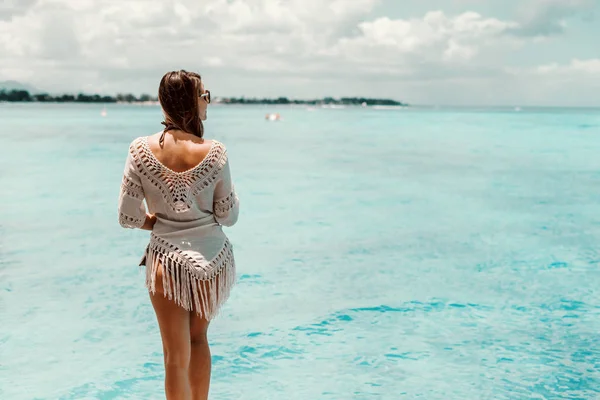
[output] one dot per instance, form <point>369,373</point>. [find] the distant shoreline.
<point>23,96</point>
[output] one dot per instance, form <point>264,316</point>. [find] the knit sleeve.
<point>226,204</point>
<point>132,211</point>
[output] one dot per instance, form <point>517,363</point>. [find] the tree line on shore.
<point>25,96</point>
<point>357,101</point>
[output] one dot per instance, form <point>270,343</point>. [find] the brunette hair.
<point>178,94</point>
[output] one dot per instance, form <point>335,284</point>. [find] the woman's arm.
<point>132,211</point>
<point>226,204</point>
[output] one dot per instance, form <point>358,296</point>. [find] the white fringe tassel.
<point>181,284</point>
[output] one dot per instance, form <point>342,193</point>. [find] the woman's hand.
<point>149,222</point>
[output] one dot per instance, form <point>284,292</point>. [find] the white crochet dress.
<point>187,239</point>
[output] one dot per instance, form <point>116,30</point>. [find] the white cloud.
<point>244,34</point>
<point>574,83</point>
<point>576,66</point>
<point>458,51</point>
<point>214,61</point>
<point>589,66</point>
<point>435,37</point>
<point>540,18</point>
<point>12,8</point>
<point>107,45</point>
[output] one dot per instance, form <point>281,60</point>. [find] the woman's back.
<point>179,152</point>
<point>197,186</point>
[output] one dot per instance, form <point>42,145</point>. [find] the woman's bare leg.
<point>200,360</point>
<point>174,323</point>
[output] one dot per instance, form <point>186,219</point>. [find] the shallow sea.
<point>410,253</point>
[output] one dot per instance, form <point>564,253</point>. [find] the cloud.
<point>574,83</point>
<point>103,35</point>
<point>288,47</point>
<point>548,17</point>
<point>58,37</point>
<point>432,47</point>
<point>576,66</point>
<point>11,8</point>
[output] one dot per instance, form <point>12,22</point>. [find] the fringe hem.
<point>203,289</point>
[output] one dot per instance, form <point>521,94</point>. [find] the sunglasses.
<point>206,96</point>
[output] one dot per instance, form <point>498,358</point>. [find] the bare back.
<point>180,152</point>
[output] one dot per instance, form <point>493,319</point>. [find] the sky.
<point>435,52</point>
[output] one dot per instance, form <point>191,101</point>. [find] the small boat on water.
<point>273,117</point>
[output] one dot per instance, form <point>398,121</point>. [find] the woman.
<point>185,180</point>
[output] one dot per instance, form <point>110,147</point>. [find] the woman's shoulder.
<point>219,152</point>
<point>218,145</point>
<point>137,143</point>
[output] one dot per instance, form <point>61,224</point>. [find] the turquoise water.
<point>419,253</point>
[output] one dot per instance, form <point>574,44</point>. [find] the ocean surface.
<point>420,253</point>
